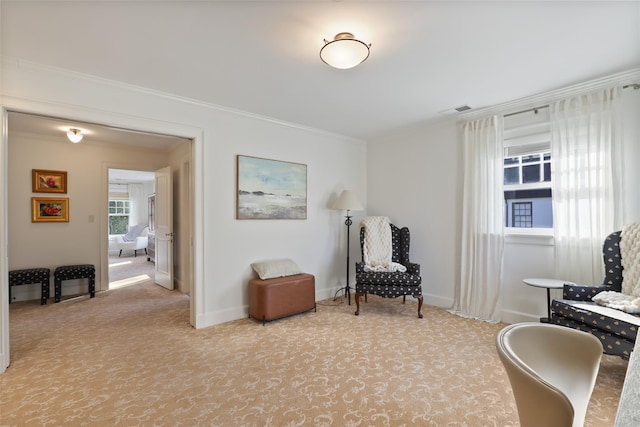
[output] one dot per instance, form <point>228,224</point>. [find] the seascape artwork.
<point>271,189</point>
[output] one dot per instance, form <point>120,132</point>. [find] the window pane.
<point>531,158</point>
<point>547,172</point>
<point>112,203</point>
<point>530,173</point>
<point>519,202</point>
<point>511,161</point>
<point>547,156</point>
<point>118,224</point>
<point>511,176</point>
<point>112,210</point>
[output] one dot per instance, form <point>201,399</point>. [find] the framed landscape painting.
<point>270,189</point>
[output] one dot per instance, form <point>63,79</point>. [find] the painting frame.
<point>270,189</point>
<point>48,181</point>
<point>49,209</point>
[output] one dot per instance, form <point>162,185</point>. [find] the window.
<point>527,172</point>
<point>119,216</point>
<point>522,214</point>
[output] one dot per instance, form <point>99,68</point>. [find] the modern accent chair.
<point>135,240</point>
<point>552,371</point>
<point>390,284</point>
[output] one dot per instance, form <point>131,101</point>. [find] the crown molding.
<point>35,66</point>
<point>619,79</point>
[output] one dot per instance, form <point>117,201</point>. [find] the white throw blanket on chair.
<point>377,249</point>
<point>630,257</point>
<point>629,299</point>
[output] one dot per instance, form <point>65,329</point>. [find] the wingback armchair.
<point>616,330</point>
<point>390,284</point>
<point>138,241</point>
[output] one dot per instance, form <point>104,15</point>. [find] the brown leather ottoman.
<point>282,296</point>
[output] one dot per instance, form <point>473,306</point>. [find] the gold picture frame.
<point>46,181</point>
<point>47,209</point>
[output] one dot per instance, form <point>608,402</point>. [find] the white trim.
<point>4,246</point>
<point>29,65</point>
<point>519,237</point>
<point>623,78</point>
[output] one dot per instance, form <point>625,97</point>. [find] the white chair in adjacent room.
<point>552,370</point>
<point>136,239</point>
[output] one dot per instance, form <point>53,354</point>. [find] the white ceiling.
<point>262,57</point>
<point>55,127</point>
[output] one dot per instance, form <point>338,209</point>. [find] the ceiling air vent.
<point>462,108</point>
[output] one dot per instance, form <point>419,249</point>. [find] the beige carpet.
<point>129,357</point>
<point>128,270</point>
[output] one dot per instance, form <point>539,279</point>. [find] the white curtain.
<point>138,205</point>
<point>586,161</point>
<point>478,294</point>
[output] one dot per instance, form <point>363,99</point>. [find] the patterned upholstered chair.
<point>616,329</point>
<point>390,284</point>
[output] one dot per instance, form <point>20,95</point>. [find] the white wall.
<point>78,241</point>
<point>223,246</point>
<point>415,179</point>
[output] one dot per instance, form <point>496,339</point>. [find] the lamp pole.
<point>348,223</point>
<point>348,202</point>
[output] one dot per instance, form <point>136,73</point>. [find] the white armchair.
<point>137,238</point>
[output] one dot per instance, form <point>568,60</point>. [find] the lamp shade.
<point>344,51</point>
<point>347,201</point>
<point>74,135</point>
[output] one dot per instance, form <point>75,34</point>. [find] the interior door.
<point>164,228</point>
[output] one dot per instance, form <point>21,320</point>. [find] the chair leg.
<point>420,299</point>
<point>120,253</point>
<point>357,298</point>
<point>404,299</point>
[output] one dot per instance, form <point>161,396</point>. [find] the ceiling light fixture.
<point>74,135</point>
<point>344,51</point>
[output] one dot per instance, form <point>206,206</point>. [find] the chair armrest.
<point>580,292</point>
<point>119,239</point>
<point>413,268</point>
<point>359,267</point>
<point>142,242</point>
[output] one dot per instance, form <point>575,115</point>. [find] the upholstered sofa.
<point>616,329</point>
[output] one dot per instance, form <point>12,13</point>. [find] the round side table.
<point>548,284</point>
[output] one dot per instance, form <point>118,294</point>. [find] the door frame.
<point>125,121</point>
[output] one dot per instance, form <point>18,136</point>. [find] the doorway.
<point>156,134</point>
<point>130,227</point>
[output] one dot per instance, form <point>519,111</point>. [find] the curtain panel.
<point>138,205</point>
<point>587,181</point>
<point>478,293</point>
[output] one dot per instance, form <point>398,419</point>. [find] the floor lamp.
<point>347,201</point>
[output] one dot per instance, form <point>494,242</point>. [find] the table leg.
<point>548,304</point>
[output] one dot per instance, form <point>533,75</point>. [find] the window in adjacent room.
<point>527,172</point>
<point>119,216</point>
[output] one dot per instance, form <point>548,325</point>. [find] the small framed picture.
<point>44,181</point>
<point>46,209</point>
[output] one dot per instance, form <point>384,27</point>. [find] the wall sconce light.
<point>344,51</point>
<point>74,135</point>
